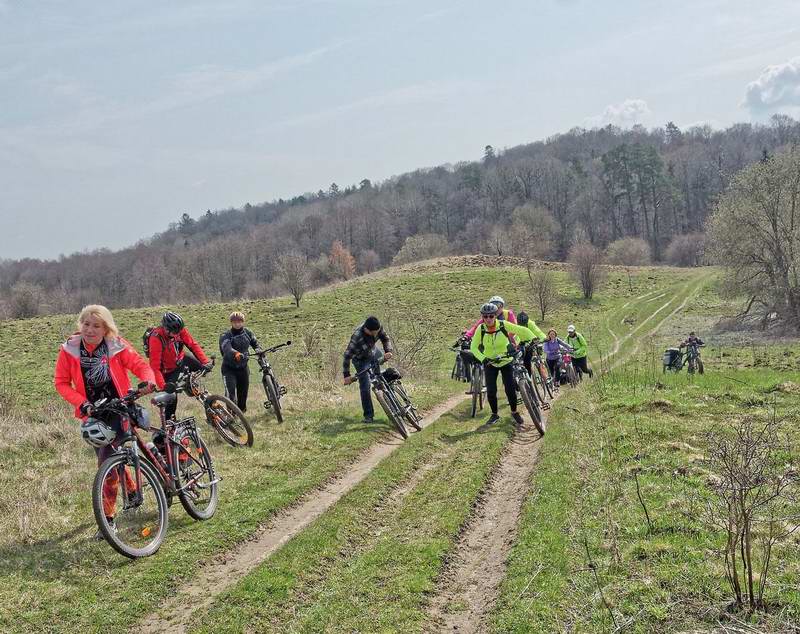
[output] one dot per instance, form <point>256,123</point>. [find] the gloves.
<point>208,367</point>
<point>237,356</point>
<point>86,409</point>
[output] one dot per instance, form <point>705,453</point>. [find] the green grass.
<point>637,420</point>
<point>53,578</point>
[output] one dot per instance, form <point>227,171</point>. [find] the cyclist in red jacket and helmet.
<point>167,356</point>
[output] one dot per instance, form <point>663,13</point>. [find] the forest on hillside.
<point>535,200</point>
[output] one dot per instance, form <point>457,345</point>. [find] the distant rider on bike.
<point>94,364</point>
<point>167,357</point>
<point>692,340</point>
<point>234,345</point>
<point>363,352</point>
<point>490,345</point>
<point>581,349</point>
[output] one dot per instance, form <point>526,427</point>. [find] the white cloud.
<point>777,88</point>
<point>625,114</point>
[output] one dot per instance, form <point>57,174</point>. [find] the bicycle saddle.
<point>164,399</point>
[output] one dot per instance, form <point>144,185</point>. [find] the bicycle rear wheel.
<point>526,391</point>
<point>572,377</point>
<point>546,379</point>
<point>409,411</point>
<point>394,416</point>
<point>195,478</point>
<point>140,517</point>
<point>228,421</point>
<point>273,396</point>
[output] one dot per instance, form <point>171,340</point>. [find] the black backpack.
<point>146,340</point>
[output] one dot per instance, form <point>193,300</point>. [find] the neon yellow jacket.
<point>495,344</point>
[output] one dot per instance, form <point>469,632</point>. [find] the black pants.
<point>189,363</point>
<point>237,383</point>
<point>491,373</point>
<point>527,359</point>
<point>552,365</point>
<point>581,366</point>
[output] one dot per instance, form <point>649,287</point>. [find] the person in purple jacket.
<point>553,346</point>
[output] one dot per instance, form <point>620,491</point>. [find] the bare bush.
<point>342,261</point>
<point>25,300</point>
<point>421,247</point>
<point>686,250</point>
<point>413,342</point>
<point>754,501</point>
<point>294,273</point>
<point>587,269</point>
<point>628,252</point>
<point>368,261</point>
<point>543,290</point>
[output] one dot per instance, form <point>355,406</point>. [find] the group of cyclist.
<point>93,364</point>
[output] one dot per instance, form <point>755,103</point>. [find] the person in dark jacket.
<point>235,344</point>
<point>362,352</point>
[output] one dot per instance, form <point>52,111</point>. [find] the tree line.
<point>595,186</point>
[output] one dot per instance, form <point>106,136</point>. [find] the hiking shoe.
<point>517,419</point>
<point>493,419</point>
<point>98,536</point>
<point>368,419</point>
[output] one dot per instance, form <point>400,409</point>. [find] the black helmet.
<point>172,322</point>
<point>522,318</point>
<point>489,309</point>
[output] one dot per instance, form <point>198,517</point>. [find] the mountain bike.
<point>392,396</point>
<point>540,375</point>
<point>477,387</point>
<point>139,481</point>
<point>569,370</point>
<point>221,413</point>
<point>272,388</point>
<point>525,387</point>
<point>693,361</point>
<point>461,369</point>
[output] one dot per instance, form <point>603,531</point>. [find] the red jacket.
<point>122,359</point>
<point>165,358</point>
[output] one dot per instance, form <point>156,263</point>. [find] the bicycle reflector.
<point>146,531</point>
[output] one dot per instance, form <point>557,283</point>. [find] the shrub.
<point>628,252</point>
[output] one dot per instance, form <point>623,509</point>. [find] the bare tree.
<point>294,273</point>
<point>368,261</point>
<point>543,290</point>
<point>628,252</point>
<point>587,269</point>
<point>25,301</point>
<point>754,501</point>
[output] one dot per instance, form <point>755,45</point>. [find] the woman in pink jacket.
<point>506,314</point>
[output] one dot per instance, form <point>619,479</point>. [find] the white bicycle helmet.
<point>97,433</point>
<point>497,300</point>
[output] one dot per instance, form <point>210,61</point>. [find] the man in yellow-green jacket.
<point>490,345</point>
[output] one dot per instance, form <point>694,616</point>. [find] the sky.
<point>117,117</point>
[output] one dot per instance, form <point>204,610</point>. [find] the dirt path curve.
<point>228,568</point>
<point>470,583</point>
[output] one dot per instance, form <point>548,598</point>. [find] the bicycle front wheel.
<point>138,511</point>
<point>228,421</point>
<point>545,379</point>
<point>409,411</point>
<point>391,412</point>
<point>273,396</point>
<point>526,391</point>
<point>195,480</point>
<point>476,387</point>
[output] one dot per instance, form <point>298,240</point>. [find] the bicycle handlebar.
<point>104,405</point>
<point>262,351</point>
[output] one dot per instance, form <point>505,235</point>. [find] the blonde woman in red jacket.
<point>93,364</point>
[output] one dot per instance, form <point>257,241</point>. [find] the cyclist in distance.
<point>538,334</point>
<point>553,347</point>
<point>491,344</point>
<point>94,364</point>
<point>506,314</point>
<point>363,352</point>
<point>167,357</point>
<point>234,345</point>
<point>580,350</point>
<point>692,340</point>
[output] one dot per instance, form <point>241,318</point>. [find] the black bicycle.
<point>137,483</point>
<point>542,381</point>
<point>272,388</point>
<point>221,412</point>
<point>388,389</point>
<point>525,387</point>
<point>461,369</point>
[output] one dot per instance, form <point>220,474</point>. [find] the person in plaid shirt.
<point>363,352</point>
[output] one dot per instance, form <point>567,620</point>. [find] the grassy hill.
<point>370,562</point>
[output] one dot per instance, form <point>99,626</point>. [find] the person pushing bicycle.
<point>362,351</point>
<point>93,364</point>
<point>490,346</point>
<point>234,345</point>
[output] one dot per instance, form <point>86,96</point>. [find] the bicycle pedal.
<point>545,405</point>
<point>282,390</point>
<point>267,405</point>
